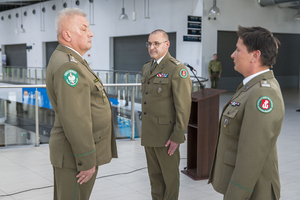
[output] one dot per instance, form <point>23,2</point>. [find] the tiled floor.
<point>27,169</point>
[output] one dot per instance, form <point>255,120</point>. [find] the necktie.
<point>153,67</point>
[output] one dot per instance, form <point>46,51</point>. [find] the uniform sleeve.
<point>220,70</point>
<point>258,136</point>
<point>181,89</point>
<point>74,110</point>
<point>209,67</point>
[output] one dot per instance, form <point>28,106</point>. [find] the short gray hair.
<point>165,34</point>
<point>67,12</point>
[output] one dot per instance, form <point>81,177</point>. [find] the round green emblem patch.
<point>71,77</point>
<point>265,104</point>
<point>183,73</point>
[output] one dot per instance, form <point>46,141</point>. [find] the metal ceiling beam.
<point>14,1</point>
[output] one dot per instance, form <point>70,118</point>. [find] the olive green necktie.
<point>153,67</point>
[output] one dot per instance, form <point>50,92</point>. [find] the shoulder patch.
<point>265,83</point>
<point>176,62</point>
<point>71,77</point>
<point>264,104</point>
<point>72,59</point>
<point>183,73</point>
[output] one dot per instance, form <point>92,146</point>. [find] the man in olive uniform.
<point>214,70</point>
<point>166,104</point>
<point>245,165</point>
<point>82,137</point>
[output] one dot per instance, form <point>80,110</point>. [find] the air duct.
<point>274,2</point>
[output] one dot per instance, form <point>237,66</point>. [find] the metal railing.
<point>37,143</point>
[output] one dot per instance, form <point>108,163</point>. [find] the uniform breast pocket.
<point>229,124</point>
<point>100,93</point>
<point>161,87</point>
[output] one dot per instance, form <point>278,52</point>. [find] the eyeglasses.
<point>155,44</point>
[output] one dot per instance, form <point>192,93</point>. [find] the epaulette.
<point>264,83</point>
<point>147,61</point>
<point>176,62</point>
<point>72,59</point>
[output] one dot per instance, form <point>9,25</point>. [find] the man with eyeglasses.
<point>166,104</point>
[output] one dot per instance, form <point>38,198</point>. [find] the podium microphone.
<point>189,66</point>
<point>192,69</point>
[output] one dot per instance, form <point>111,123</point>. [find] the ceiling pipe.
<point>274,2</point>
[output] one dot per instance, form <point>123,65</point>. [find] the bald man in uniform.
<point>82,137</point>
<point>245,165</point>
<point>166,104</point>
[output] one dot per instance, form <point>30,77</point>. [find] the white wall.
<point>170,15</point>
<point>244,13</point>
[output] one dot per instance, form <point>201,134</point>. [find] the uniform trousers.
<point>214,80</point>
<point>163,171</point>
<point>66,186</point>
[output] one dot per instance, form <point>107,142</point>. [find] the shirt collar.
<point>246,80</point>
<point>159,60</point>
<point>73,50</point>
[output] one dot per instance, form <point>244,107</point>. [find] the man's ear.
<point>256,56</point>
<point>66,36</point>
<point>168,44</point>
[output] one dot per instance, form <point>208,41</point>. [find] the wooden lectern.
<point>202,132</point>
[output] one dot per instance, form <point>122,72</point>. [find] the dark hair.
<point>258,38</point>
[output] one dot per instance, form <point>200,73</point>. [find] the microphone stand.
<point>201,85</point>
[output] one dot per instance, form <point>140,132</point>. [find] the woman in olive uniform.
<point>245,165</point>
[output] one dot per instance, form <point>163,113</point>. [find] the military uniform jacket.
<point>215,66</point>
<point>166,102</point>
<point>82,135</point>
<point>245,165</point>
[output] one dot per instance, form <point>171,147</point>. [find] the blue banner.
<point>28,97</point>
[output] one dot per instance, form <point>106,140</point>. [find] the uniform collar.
<point>159,60</point>
<point>246,80</point>
<point>70,51</point>
<point>263,76</point>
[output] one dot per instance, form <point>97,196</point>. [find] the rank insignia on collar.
<point>161,75</point>
<point>233,103</point>
<point>265,84</point>
<point>72,59</point>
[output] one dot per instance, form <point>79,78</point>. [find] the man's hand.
<point>219,76</point>
<point>173,146</point>
<point>209,76</point>
<point>85,176</point>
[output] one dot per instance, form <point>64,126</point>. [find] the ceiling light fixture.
<point>22,30</point>
<point>297,16</point>
<point>123,15</point>
<point>213,11</point>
